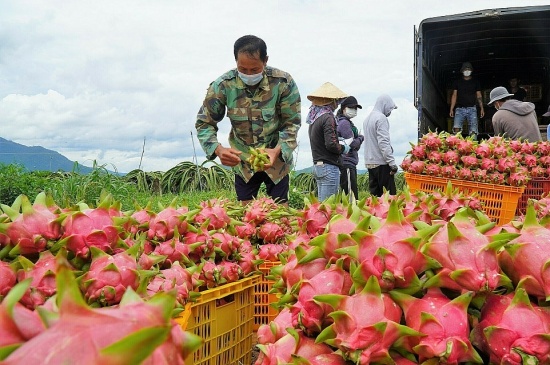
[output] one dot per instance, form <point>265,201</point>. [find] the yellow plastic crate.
<point>499,201</point>
<point>263,311</point>
<point>223,317</point>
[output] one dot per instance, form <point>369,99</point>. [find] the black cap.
<point>350,102</point>
<point>466,65</point>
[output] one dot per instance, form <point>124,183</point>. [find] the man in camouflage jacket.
<point>263,106</point>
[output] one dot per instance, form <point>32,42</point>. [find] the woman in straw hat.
<point>323,138</point>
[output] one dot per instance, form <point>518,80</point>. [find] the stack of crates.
<point>224,318</point>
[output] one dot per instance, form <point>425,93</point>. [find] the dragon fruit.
<point>467,256</point>
<point>432,140</point>
<point>173,250</point>
<point>364,336</point>
<point>271,232</point>
<point>469,161</point>
<point>433,169</point>
<point>109,277</point>
<point>449,171</point>
<point>445,324</point>
<point>512,330</point>
<point>270,333</point>
<point>185,282</point>
<point>297,348</point>
<point>271,251</point>
<point>162,226</point>
<point>417,167</point>
<point>483,150</point>
<point>7,279</point>
<point>525,259</point>
<point>214,212</point>
<point>31,226</point>
<point>391,253</point>
<point>17,323</point>
<point>42,274</point>
<point>128,333</point>
<point>435,156</point>
<point>310,315</point>
<point>418,151</point>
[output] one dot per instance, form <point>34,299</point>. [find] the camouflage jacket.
<point>264,117</point>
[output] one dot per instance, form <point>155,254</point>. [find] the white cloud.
<point>92,79</point>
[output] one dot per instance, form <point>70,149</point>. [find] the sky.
<point>120,82</point>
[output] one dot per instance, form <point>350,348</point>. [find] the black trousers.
<point>352,178</point>
<point>380,179</point>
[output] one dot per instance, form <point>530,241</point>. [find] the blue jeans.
<point>328,180</point>
<point>469,114</point>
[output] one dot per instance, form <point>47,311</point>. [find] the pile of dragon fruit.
<point>70,276</point>
<point>390,281</point>
<point>496,160</point>
<point>406,279</point>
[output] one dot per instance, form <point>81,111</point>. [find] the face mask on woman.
<point>467,73</point>
<point>350,113</point>
<point>251,80</point>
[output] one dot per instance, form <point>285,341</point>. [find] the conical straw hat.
<point>327,91</point>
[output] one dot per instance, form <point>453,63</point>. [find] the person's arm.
<point>479,99</point>
<point>346,132</point>
<point>291,120</point>
<point>453,103</point>
<point>210,114</point>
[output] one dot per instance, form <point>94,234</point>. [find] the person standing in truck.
<point>466,95</point>
<point>347,132</point>
<point>326,149</point>
<point>263,106</point>
<point>514,119</point>
<point>379,158</point>
<point>514,88</point>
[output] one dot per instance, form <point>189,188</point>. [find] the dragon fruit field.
<point>411,278</point>
<point>406,279</point>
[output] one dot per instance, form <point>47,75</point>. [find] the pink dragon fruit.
<point>435,156</point>
<point>271,251</point>
<point>364,336</point>
<point>316,217</point>
<point>246,230</point>
<point>162,226</point>
<point>528,148</point>
<point>31,226</point>
<point>406,163</point>
<point>517,179</point>
<point>525,259</point>
<point>543,148</point>
<point>467,256</point>
<point>109,277</point>
<point>483,150</point>
<point>201,243</point>
<point>529,160</point>
<point>496,178</point>
<point>17,323</point>
<point>291,273</point>
<point>449,171</point>
<point>418,151</point>
<point>538,171</point>
<point>487,164</point>
<point>225,244</point>
<point>445,324</point>
<point>500,151</point>
<point>128,333</point>
<point>174,250</point>
<point>230,271</point>
<point>432,140</point>
<point>258,210</point>
<point>470,161</point>
<point>297,348</point>
<point>465,174</point>
<point>42,274</point>
<point>480,175</point>
<point>7,279</point>
<point>433,169</point>
<point>515,145</point>
<point>417,167</point>
<point>452,140</point>
<point>390,253</point>
<point>271,232</point>
<point>185,282</point>
<point>512,330</point>
<point>465,146</point>
<point>270,333</point>
<point>214,212</point>
<point>310,315</point>
<point>451,157</point>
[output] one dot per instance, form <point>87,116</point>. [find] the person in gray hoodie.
<point>379,158</point>
<point>514,119</point>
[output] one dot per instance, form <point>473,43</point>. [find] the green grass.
<point>185,184</point>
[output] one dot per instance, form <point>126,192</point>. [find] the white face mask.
<point>251,80</point>
<point>350,113</point>
<point>467,73</point>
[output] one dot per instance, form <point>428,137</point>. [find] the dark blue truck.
<point>500,43</point>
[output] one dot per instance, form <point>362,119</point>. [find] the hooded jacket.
<point>378,149</point>
<point>517,120</point>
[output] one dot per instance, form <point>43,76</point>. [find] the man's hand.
<point>393,169</point>
<point>228,156</point>
<point>482,112</point>
<point>273,153</point>
<point>451,113</point>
